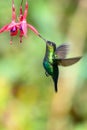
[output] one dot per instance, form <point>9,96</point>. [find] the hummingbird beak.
<point>42,38</point>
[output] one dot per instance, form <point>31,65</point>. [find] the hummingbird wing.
<point>61,51</point>
<point>67,62</point>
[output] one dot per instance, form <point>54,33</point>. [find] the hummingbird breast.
<point>48,67</point>
<point>48,60</point>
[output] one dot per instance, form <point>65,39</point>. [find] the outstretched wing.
<point>61,51</point>
<point>67,62</point>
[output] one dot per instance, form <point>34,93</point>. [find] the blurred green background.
<point>27,97</point>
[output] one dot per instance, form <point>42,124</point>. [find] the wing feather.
<point>67,62</point>
<point>62,51</point>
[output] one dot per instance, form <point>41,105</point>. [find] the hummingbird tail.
<point>55,77</point>
<point>55,85</point>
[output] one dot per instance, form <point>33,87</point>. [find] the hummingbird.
<point>55,57</point>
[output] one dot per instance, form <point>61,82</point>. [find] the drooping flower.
<point>23,23</point>
<point>13,26</point>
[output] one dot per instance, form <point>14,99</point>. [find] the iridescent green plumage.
<point>54,57</point>
<point>48,59</point>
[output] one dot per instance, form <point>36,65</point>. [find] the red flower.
<point>13,26</point>
<point>23,23</point>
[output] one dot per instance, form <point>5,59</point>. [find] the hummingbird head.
<point>51,45</point>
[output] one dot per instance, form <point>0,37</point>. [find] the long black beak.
<point>43,38</point>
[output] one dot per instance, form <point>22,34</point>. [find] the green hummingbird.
<point>55,56</point>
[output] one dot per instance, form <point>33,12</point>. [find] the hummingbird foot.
<point>46,74</point>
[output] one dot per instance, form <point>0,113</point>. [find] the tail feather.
<point>55,77</point>
<point>55,85</point>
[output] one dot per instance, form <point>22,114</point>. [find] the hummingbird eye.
<point>51,44</point>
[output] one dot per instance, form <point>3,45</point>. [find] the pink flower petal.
<point>33,29</point>
<point>4,28</point>
<point>26,10</point>
<point>24,27</point>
